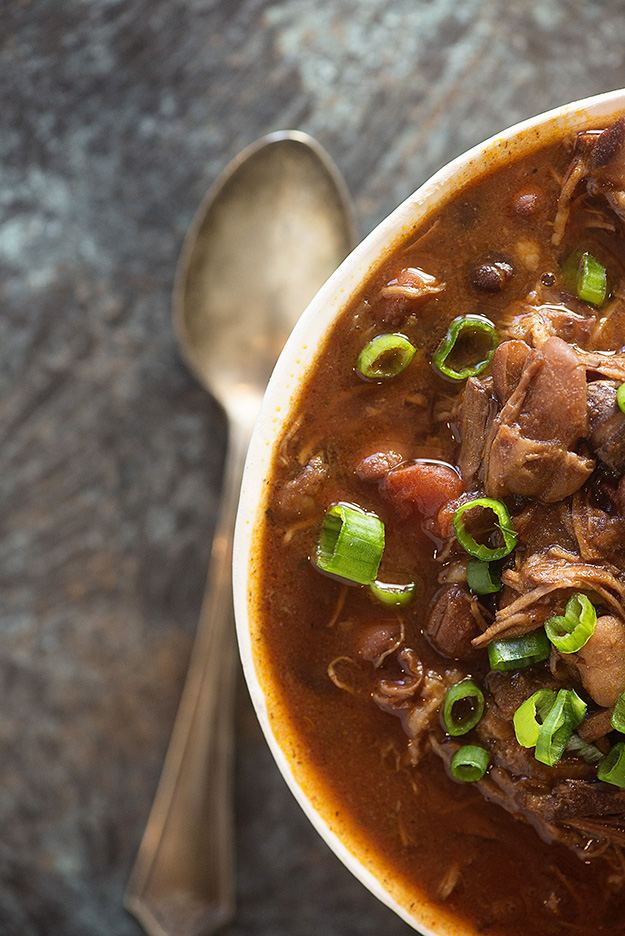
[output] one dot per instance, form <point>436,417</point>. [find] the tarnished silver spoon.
<point>269,233</point>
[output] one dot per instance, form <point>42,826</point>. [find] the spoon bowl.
<point>270,231</point>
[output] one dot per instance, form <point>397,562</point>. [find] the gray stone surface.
<point>114,118</point>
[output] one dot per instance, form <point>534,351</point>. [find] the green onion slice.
<point>463,707</point>
<point>572,631</point>
<point>512,653</point>
<point>469,763</point>
<point>393,595</point>
<point>529,716</point>
<point>620,398</point>
<point>567,713</point>
<point>350,544</point>
<point>385,356</point>
<point>483,577</point>
<point>612,767</point>
<point>502,523</point>
<point>585,277</point>
<point>584,749</point>
<point>617,719</point>
<point>467,348</point>
<point>592,281</point>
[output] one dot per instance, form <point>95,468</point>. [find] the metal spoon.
<point>268,234</point>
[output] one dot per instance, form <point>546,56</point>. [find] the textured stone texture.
<point>114,118</point>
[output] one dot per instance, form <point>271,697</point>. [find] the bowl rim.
<point>295,362</point>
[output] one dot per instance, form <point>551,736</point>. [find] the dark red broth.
<point>350,680</point>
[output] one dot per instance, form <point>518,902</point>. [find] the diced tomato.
<point>421,488</point>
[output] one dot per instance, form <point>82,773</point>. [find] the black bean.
<point>491,277</point>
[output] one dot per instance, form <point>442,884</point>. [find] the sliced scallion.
<point>512,653</point>
<point>502,523</point>
<point>566,714</point>
<point>617,719</point>
<point>393,595</point>
<point>529,716</point>
<point>385,356</point>
<point>350,544</point>
<point>592,281</point>
<point>467,348</point>
<point>584,749</point>
<point>463,707</point>
<point>571,631</point>
<point>482,577</point>
<point>612,767</point>
<point>585,277</point>
<point>469,763</point>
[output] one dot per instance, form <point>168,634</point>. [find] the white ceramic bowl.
<point>282,394</point>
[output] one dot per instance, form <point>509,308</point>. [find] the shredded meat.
<point>545,314</point>
<point>596,726</point>
<point>530,447</point>
<point>540,576</point>
<point>599,161</point>
<point>573,799</point>
<point>413,285</point>
<point>477,410</point>
<point>422,717</point>
<point>606,167</point>
<point>600,535</point>
<point>398,690</point>
<point>606,424</point>
<point>507,366</point>
<point>599,362</point>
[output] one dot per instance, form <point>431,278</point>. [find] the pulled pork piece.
<point>423,717</point>
<point>413,285</point>
<point>604,363</point>
<point>563,801</point>
<point>606,167</point>
<point>507,366</point>
<point>599,161</point>
<point>530,447</point>
<point>574,799</point>
<point>537,578</point>
<point>606,423</point>
<point>413,693</point>
<point>600,535</point>
<point>453,622</point>
<point>500,787</point>
<point>476,411</point>
<point>396,692</point>
<point>610,328</point>
<point>596,726</point>
<point>544,314</point>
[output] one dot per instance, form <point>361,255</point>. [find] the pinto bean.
<point>451,625</point>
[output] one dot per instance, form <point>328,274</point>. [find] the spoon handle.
<point>182,883</point>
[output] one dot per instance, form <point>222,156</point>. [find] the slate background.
<point>115,116</point>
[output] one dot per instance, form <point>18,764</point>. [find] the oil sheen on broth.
<point>456,691</point>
